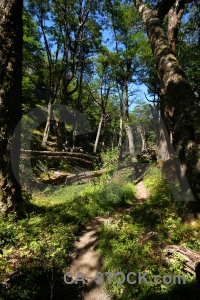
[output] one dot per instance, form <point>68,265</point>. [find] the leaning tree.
<point>179,105</point>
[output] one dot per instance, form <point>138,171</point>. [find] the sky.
<point>141,89</point>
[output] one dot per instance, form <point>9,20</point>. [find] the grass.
<point>39,240</point>
<point>38,243</point>
<point>134,241</point>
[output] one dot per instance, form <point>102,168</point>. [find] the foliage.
<point>43,237</point>
<point>109,159</point>
<point>34,66</point>
<point>144,126</point>
<point>6,236</point>
<point>188,46</point>
<point>133,242</point>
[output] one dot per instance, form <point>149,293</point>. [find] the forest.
<point>99,149</point>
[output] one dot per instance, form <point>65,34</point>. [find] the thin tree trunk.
<point>128,129</point>
<point>144,144</point>
<point>60,136</point>
<point>74,132</point>
<point>120,133</point>
<point>48,123</point>
<point>143,138</point>
<point>98,133</point>
<point>114,138</point>
<point>11,41</point>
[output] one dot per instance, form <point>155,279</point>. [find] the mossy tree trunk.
<point>11,41</point>
<point>179,107</point>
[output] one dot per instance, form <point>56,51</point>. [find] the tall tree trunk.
<point>128,128</point>
<point>48,123</point>
<point>120,130</point>
<point>98,134</point>
<point>74,133</point>
<point>114,137</point>
<point>143,138</point>
<point>179,106</point>
<point>61,136</point>
<point>131,145</point>
<point>11,42</point>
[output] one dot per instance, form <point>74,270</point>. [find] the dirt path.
<point>141,192</point>
<point>88,261</point>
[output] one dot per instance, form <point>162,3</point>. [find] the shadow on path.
<point>88,261</point>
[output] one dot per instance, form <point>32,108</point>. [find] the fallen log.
<point>58,157</point>
<point>69,179</point>
<point>190,259</point>
<point>139,179</point>
<point>57,153</point>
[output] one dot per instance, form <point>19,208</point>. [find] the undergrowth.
<point>133,242</point>
<point>37,244</point>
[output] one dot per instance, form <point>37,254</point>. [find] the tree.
<point>103,85</point>
<point>34,75</point>
<point>55,46</point>
<point>179,106</point>
<point>126,41</point>
<point>11,41</point>
<point>188,47</point>
<point>71,35</point>
<point>143,122</point>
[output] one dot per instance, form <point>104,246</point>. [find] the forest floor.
<point>127,223</point>
<point>87,260</point>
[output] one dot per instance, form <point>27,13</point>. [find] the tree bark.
<point>131,145</point>
<point>57,153</point>
<point>141,131</point>
<point>47,126</point>
<point>174,20</point>
<point>179,107</point>
<point>70,179</point>
<point>163,152</point>
<point>11,42</point>
<point>190,259</point>
<point>120,130</point>
<point>128,129</point>
<point>98,133</point>
<point>61,136</point>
